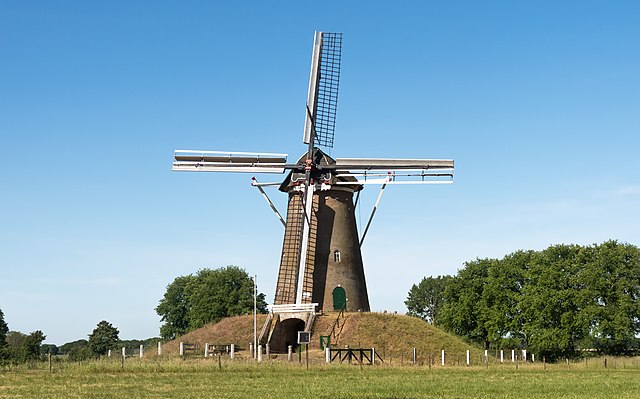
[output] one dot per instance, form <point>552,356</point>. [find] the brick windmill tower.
<point>321,263</point>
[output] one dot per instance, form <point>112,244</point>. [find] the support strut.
<point>254,182</point>
<point>373,212</point>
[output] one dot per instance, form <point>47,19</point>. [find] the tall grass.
<point>200,378</point>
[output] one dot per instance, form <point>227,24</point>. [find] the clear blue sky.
<point>538,103</point>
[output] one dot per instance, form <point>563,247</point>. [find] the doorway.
<point>339,298</point>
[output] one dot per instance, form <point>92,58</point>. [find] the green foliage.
<point>174,308</point>
<point>22,347</point>
<point>103,338</point>
<point>553,302</point>
<point>193,301</point>
<point>426,299</point>
<point>49,348</point>
<point>70,346</point>
<point>79,350</point>
<point>76,350</point>
<point>463,312</point>
<point>134,344</point>
<point>15,341</point>
<point>4,329</point>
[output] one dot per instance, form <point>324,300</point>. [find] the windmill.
<point>321,262</point>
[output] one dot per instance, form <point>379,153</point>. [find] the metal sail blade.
<point>324,81</point>
<point>391,164</point>
<point>394,171</point>
<point>221,161</point>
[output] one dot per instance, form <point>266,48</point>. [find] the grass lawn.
<point>202,379</point>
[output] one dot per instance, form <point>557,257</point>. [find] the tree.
<point>15,343</point>
<point>32,345</point>
<point>22,347</point>
<point>551,302</point>
<point>426,298</point>
<point>103,338</point>
<point>65,349</point>
<point>49,348</point>
<point>174,308</point>
<point>611,300</point>
<point>464,312</point>
<point>501,296</point>
<point>221,293</point>
<point>76,350</point>
<point>192,301</point>
<point>4,329</point>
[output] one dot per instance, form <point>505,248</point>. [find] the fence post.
<point>233,351</point>
<point>524,355</point>
<point>259,351</point>
<point>181,348</point>
<point>268,351</point>
<point>415,356</point>
<point>289,353</point>
<point>501,356</point>
<point>206,350</point>
<point>124,352</point>
<point>443,357</point>
<point>141,351</point>
<point>486,358</point>
<point>159,348</point>
<point>513,355</point>
<point>533,358</point>
<point>109,353</point>
<point>327,354</point>
<point>253,352</point>
<point>468,357</point>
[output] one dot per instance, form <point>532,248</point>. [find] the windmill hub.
<point>321,263</point>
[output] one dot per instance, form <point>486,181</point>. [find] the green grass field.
<point>202,379</point>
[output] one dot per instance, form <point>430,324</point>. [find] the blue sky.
<point>536,101</point>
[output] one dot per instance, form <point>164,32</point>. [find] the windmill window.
<point>336,256</point>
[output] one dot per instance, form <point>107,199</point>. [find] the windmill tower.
<point>321,262</point>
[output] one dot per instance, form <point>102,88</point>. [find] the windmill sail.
<point>324,81</point>
<point>220,161</point>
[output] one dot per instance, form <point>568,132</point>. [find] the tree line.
<point>189,303</point>
<point>17,347</point>
<point>557,302</point>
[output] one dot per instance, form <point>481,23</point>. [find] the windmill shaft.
<point>304,242</point>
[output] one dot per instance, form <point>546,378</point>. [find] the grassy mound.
<point>232,330</point>
<point>393,336</point>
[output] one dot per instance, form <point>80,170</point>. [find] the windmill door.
<point>339,298</point>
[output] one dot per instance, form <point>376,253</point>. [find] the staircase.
<point>337,326</point>
<point>266,329</point>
